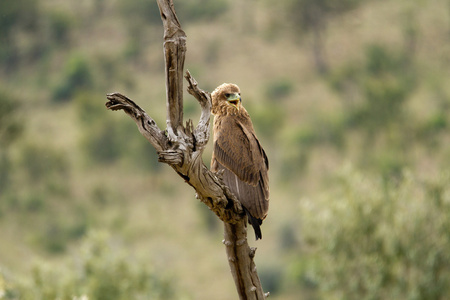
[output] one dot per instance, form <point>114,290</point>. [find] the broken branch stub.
<point>174,55</point>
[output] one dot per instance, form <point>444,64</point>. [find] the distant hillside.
<point>349,99</point>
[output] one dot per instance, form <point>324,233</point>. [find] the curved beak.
<point>234,99</point>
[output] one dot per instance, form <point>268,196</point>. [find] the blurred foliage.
<point>267,117</point>
<point>45,173</point>
<point>209,219</point>
<point>100,270</point>
<point>68,166</point>
<point>375,240</point>
<point>278,89</point>
<point>374,95</point>
<point>140,11</point>
<point>322,131</point>
<point>313,16</point>
<point>20,13</point>
<point>375,92</point>
<point>76,76</point>
<point>60,27</point>
<point>10,125</point>
<point>108,139</point>
<point>271,277</point>
<point>195,10</point>
<point>57,233</point>
<point>288,236</point>
<point>10,130</point>
<point>105,143</point>
<point>5,167</point>
<point>43,164</point>
<point>137,16</point>
<point>309,14</point>
<point>16,16</point>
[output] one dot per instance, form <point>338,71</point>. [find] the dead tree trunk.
<point>181,147</point>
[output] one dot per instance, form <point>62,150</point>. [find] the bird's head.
<point>226,95</point>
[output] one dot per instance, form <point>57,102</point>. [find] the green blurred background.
<point>351,100</point>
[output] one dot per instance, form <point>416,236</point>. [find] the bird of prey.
<point>239,154</point>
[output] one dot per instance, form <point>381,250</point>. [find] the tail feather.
<point>256,223</point>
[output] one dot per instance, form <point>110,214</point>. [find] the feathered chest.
<point>231,126</point>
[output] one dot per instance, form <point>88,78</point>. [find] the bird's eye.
<point>227,95</point>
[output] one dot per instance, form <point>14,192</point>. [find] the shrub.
<point>17,14</point>
<point>375,95</point>
<point>375,91</point>
<point>101,270</point>
<point>17,17</point>
<point>60,24</point>
<point>77,76</point>
<point>374,239</point>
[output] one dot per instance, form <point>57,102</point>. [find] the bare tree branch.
<point>174,55</point>
<point>201,132</point>
<point>146,125</point>
<point>182,147</point>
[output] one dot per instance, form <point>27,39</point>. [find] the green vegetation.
<point>76,76</point>
<point>18,15</point>
<point>350,100</point>
<point>373,240</point>
<point>96,273</point>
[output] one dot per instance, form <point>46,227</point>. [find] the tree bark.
<point>182,147</point>
<point>174,55</point>
<point>240,258</point>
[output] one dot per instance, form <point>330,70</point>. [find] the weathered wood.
<point>147,126</point>
<point>201,132</point>
<point>240,258</point>
<point>182,147</point>
<point>174,55</point>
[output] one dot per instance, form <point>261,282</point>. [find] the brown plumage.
<point>238,152</point>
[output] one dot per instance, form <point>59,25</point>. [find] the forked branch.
<point>181,147</point>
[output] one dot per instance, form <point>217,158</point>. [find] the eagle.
<point>239,154</point>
